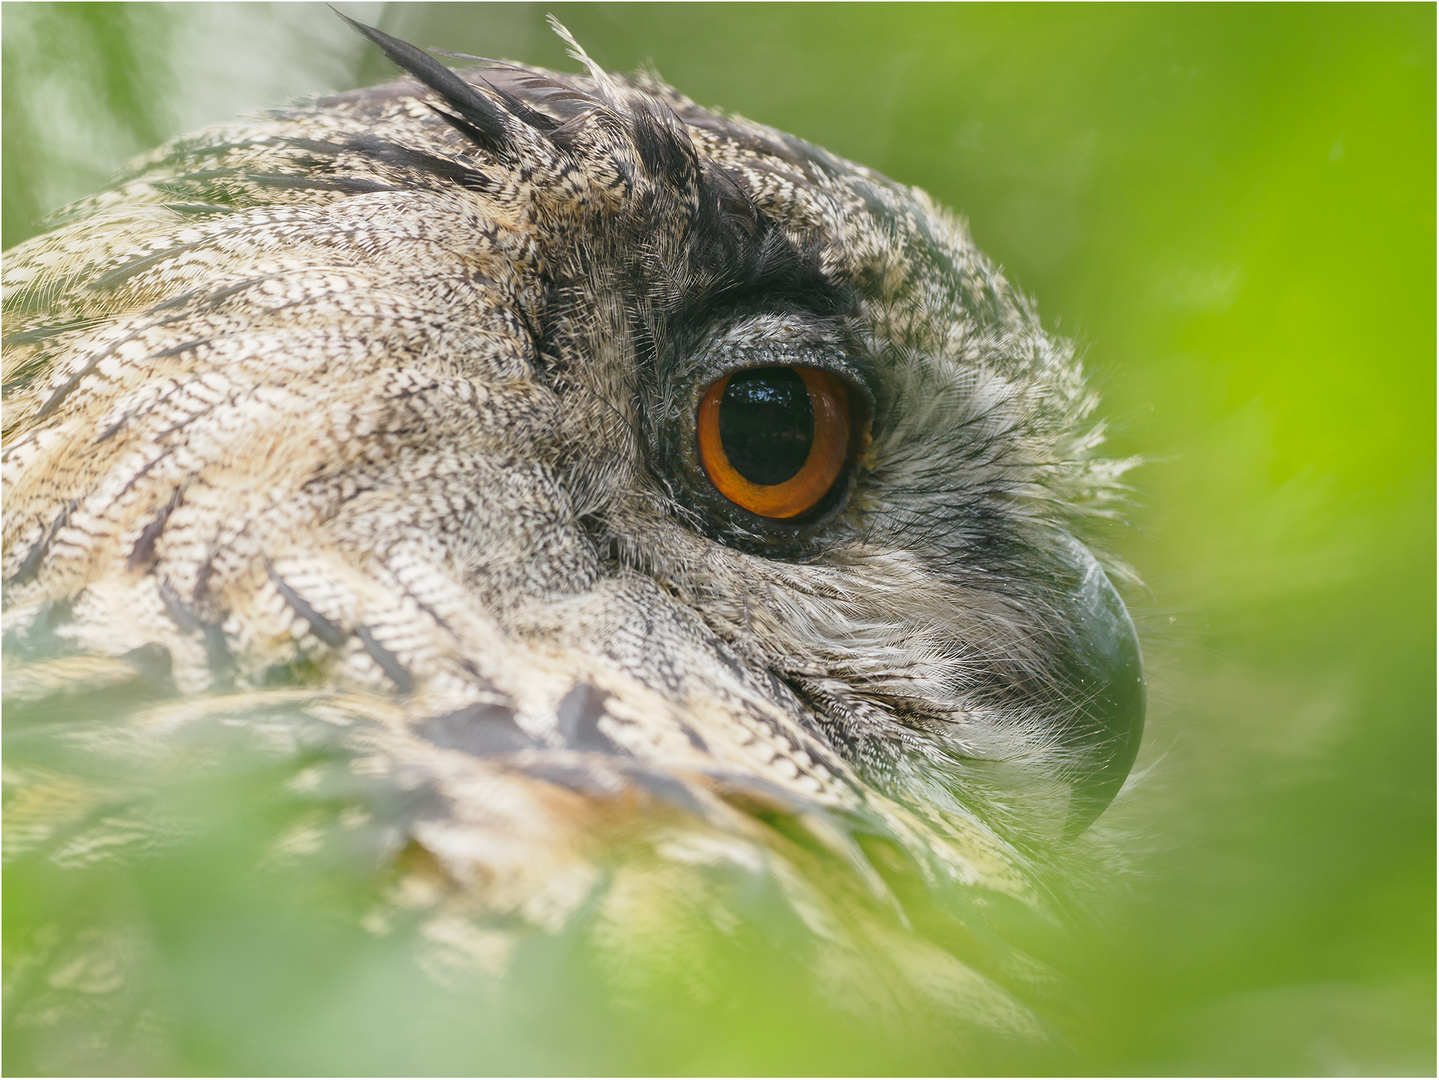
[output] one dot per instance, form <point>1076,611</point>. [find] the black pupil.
<point>766,424</point>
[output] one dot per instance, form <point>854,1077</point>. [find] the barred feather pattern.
<point>357,434</point>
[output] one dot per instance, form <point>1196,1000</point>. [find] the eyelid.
<point>794,338</point>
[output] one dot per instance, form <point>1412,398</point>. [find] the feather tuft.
<point>484,119</point>
<point>601,77</point>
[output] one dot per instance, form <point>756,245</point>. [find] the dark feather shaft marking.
<point>324,629</point>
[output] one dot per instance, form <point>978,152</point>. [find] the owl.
<point>560,576</point>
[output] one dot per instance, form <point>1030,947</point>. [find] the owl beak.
<point>1105,671</point>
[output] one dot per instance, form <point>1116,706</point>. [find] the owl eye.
<point>774,440</point>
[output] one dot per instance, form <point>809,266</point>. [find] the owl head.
<point>589,472</point>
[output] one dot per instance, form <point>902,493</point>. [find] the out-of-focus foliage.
<point>1233,210</point>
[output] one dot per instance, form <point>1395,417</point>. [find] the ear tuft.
<point>480,118</point>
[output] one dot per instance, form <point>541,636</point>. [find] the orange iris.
<point>828,450</point>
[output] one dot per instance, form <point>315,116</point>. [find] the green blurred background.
<point>1232,209</point>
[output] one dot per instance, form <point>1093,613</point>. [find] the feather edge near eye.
<point>829,449</point>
